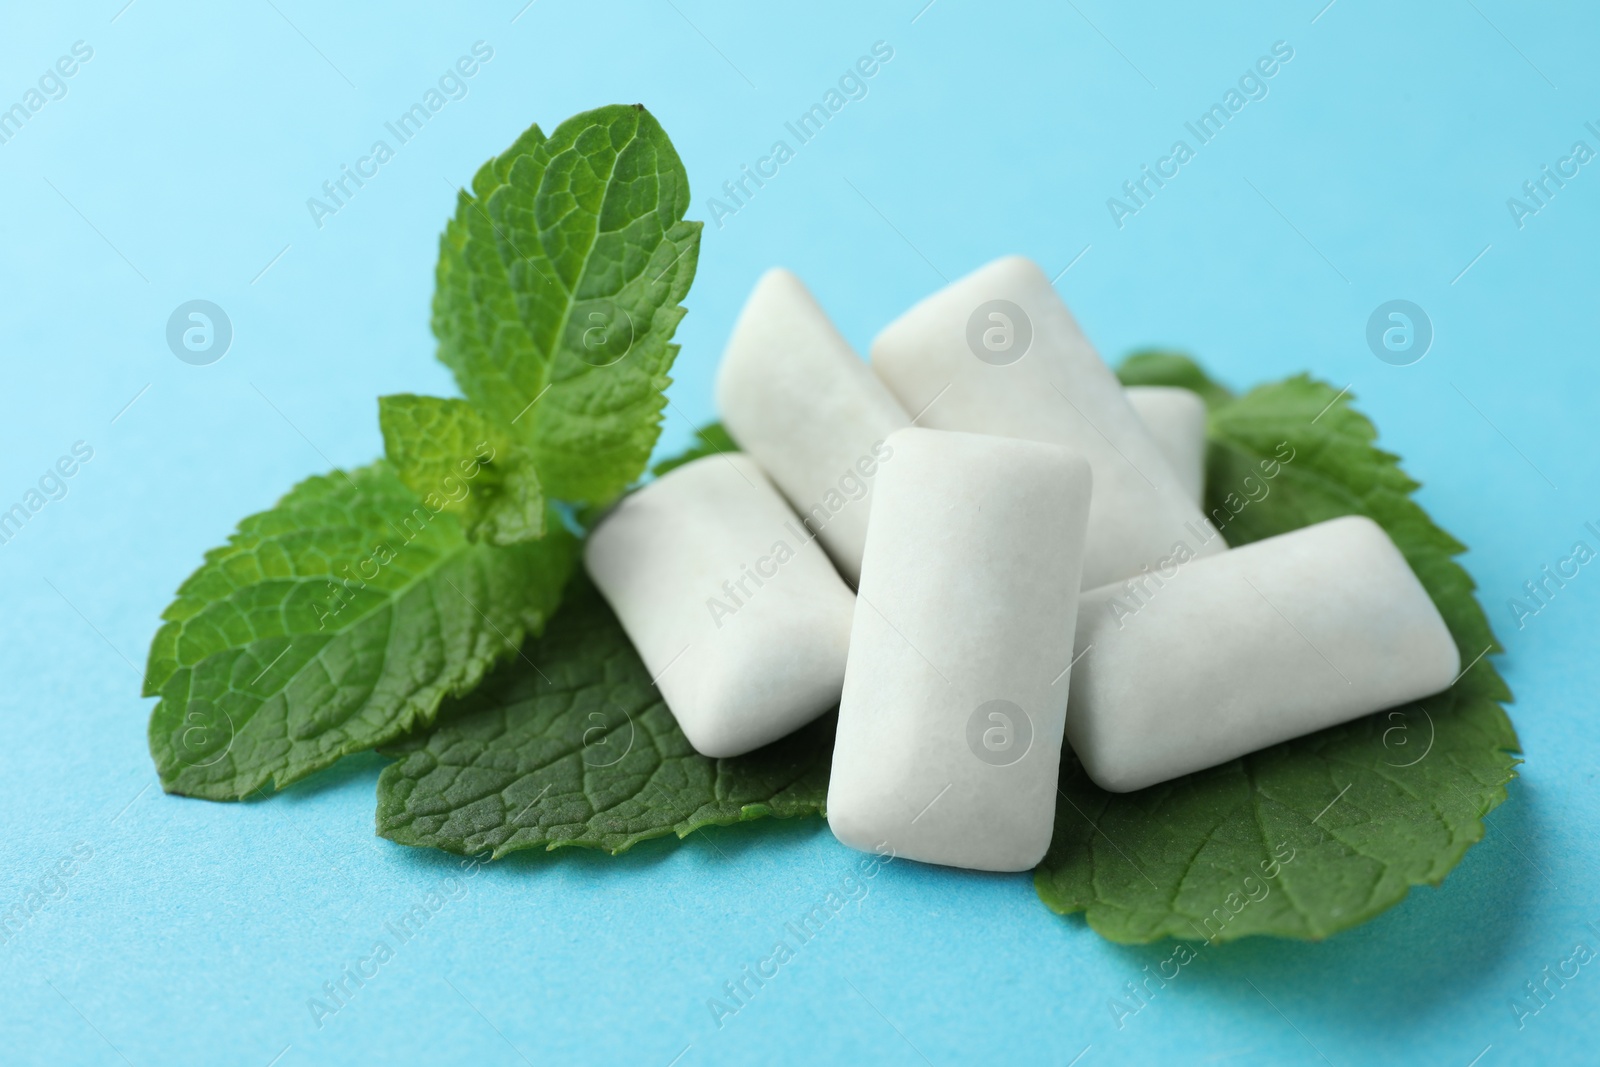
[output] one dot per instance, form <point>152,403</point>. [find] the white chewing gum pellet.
<point>950,725</point>
<point>796,397</point>
<point>997,352</point>
<point>1176,418</point>
<point>1279,638</point>
<point>736,612</point>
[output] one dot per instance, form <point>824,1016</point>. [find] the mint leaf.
<point>558,290</point>
<point>1158,366</point>
<point>1365,810</point>
<point>709,440</point>
<point>336,621</point>
<point>456,461</point>
<point>571,744</point>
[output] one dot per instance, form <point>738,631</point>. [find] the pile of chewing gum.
<point>977,547</point>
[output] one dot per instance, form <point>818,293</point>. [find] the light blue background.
<point>178,165</point>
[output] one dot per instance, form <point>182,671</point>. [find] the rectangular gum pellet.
<point>949,737</point>
<point>1176,418</point>
<point>1226,655</point>
<point>736,612</point>
<point>997,352</point>
<point>797,398</point>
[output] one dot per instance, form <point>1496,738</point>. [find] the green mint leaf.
<point>336,621</point>
<point>1158,366</point>
<point>559,287</point>
<point>455,460</point>
<point>709,440</point>
<point>1363,811</point>
<point>571,744</point>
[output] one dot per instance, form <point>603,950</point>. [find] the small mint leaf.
<point>709,440</point>
<point>1157,366</point>
<point>456,461</point>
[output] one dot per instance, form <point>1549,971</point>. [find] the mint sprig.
<point>342,617</point>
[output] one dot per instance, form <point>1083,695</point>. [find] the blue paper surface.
<point>175,163</point>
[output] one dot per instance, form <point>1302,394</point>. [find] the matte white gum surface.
<point>1236,652</point>
<point>949,736</point>
<point>1176,418</point>
<point>796,397</point>
<point>735,611</point>
<point>997,352</point>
